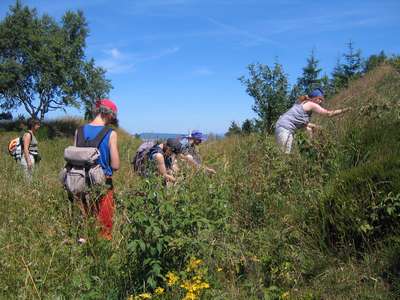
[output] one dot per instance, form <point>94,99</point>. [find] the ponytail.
<point>303,98</point>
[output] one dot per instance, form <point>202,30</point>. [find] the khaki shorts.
<point>284,138</point>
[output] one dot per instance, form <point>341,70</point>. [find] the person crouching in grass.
<point>191,154</point>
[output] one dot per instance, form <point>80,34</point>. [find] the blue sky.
<point>174,64</point>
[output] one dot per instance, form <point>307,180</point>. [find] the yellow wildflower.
<point>204,285</point>
<point>171,278</point>
<point>193,264</point>
<point>190,296</point>
<point>159,291</point>
<point>219,269</point>
<point>143,296</point>
<point>194,286</point>
<point>187,285</point>
<point>285,295</point>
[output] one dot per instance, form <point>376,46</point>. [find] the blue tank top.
<point>90,132</point>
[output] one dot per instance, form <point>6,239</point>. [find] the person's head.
<point>107,110</point>
<point>317,95</point>
<point>33,124</point>
<point>197,137</point>
<point>172,146</point>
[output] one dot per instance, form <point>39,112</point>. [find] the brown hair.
<point>32,122</point>
<point>304,98</point>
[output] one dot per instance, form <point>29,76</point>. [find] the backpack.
<point>15,147</point>
<point>138,160</point>
<point>82,169</point>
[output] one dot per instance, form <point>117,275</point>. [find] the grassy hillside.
<point>319,224</point>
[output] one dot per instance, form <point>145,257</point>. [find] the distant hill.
<point>164,136</point>
<point>159,136</point>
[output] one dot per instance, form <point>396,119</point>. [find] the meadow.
<point>322,223</point>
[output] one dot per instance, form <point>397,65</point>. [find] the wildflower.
<point>171,278</point>
<point>159,291</point>
<point>190,296</point>
<point>285,295</point>
<point>187,285</point>
<point>193,264</point>
<point>194,286</point>
<point>143,296</point>
<point>204,285</point>
<point>197,278</point>
<point>219,269</point>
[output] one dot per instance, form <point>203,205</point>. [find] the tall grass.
<point>319,224</point>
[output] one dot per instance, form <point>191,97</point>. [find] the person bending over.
<point>190,153</point>
<point>298,116</point>
<point>161,157</point>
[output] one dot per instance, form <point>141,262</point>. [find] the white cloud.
<point>115,53</point>
<point>202,71</point>
<point>248,39</point>
<point>118,62</point>
<point>160,54</point>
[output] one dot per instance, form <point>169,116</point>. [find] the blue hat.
<point>197,135</point>
<point>318,92</point>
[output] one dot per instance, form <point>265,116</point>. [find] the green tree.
<point>353,62</point>
<point>234,129</point>
<point>94,86</point>
<point>339,79</point>
<point>310,77</point>
<point>248,127</point>
<point>295,93</point>
<point>373,61</point>
<point>269,88</point>
<point>42,63</point>
<point>349,70</point>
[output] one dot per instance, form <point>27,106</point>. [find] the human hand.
<point>346,109</point>
<point>210,171</point>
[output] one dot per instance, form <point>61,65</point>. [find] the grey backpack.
<point>82,169</point>
<point>139,159</point>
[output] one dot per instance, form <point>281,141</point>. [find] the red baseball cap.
<point>107,103</point>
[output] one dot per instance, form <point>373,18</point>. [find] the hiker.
<point>103,208</point>
<point>190,152</point>
<point>158,157</point>
<point>298,116</point>
<point>30,151</point>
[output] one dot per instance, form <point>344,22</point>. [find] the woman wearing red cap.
<point>106,113</point>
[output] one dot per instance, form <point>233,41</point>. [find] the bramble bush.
<point>321,223</point>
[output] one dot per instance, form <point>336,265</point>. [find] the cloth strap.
<point>95,143</point>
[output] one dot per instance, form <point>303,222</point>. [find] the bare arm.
<point>76,133</point>
<point>175,167</point>
<point>114,153</point>
<point>27,141</point>
<point>162,170</point>
<point>314,107</point>
<point>189,158</point>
